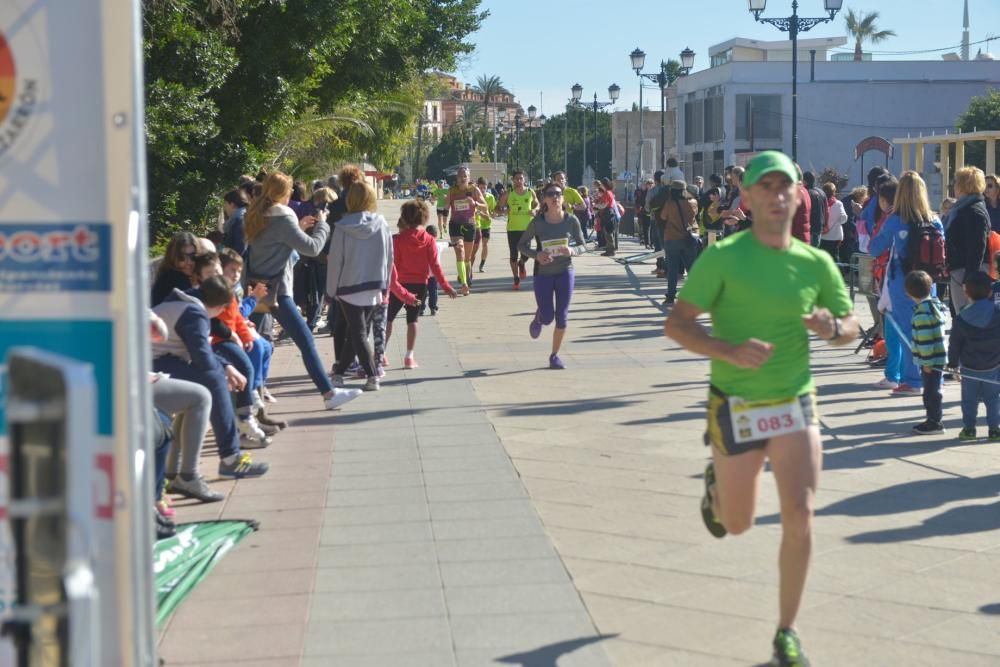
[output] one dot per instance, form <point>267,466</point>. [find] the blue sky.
<point>545,47</point>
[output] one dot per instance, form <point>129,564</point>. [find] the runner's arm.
<point>683,327</point>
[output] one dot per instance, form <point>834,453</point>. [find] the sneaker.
<point>928,428</point>
<point>535,328</point>
<point>788,650</point>
<point>668,301</point>
<point>522,270</point>
<point>247,442</point>
<point>517,284</point>
<point>712,523</point>
<point>266,395</point>
<point>353,368</point>
<point>482,267</point>
<point>465,292</point>
<point>556,363</point>
<point>165,528</point>
<point>885,383</point>
<point>906,390</point>
<point>196,488</point>
<point>340,396</point>
<point>410,363</point>
<point>993,435</point>
<point>337,381</point>
<point>250,429</point>
<point>360,374</point>
<point>380,372</point>
<point>243,467</point>
<point>967,434</point>
<point>371,384</point>
<point>434,311</point>
<point>165,510</point>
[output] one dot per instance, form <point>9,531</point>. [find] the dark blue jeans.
<point>679,253</point>
<point>235,355</point>
<point>222,417</point>
<point>657,234</point>
<point>291,321</point>
<point>975,391</point>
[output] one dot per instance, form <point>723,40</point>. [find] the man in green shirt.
<point>484,222</point>
<point>765,292</point>
<point>572,201</point>
<point>440,193</point>
<point>521,205</point>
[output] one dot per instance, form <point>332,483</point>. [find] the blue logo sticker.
<point>71,257</point>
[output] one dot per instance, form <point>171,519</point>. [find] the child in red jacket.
<point>415,257</point>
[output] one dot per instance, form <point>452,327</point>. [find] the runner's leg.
<point>564,294</point>
<point>736,484</point>
<point>796,460</point>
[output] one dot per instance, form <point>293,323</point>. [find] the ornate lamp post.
<point>541,125</point>
<point>532,110</point>
<point>793,25</point>
<point>577,92</point>
<point>663,79</point>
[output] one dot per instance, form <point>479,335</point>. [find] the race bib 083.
<point>760,420</point>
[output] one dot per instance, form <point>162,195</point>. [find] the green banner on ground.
<point>182,561</point>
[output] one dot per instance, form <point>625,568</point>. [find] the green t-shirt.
<point>571,199</point>
<point>485,221</point>
<point>442,198</point>
<point>753,291</point>
<point>519,210</point>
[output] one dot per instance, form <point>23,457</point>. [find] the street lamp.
<point>541,125</point>
<point>793,25</point>
<point>664,78</point>
<point>498,120</point>
<point>614,90</point>
<point>531,118</point>
<point>517,138</point>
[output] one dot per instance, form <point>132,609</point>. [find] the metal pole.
<point>597,134</point>
<point>420,137</point>
<point>794,30</point>
<point>638,172</point>
<point>566,143</point>
<point>584,172</point>
<point>663,125</point>
<point>544,172</point>
<point>626,144</point>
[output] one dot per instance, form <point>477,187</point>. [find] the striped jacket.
<point>928,334</point>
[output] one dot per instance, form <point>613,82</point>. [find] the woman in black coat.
<point>967,230</point>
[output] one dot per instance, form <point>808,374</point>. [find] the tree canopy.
<point>982,114</point>
<point>233,86</point>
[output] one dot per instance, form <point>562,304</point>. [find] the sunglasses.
<point>553,193</point>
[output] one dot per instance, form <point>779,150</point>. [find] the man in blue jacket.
<point>187,354</point>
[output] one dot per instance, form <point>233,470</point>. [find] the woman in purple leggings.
<point>559,237</point>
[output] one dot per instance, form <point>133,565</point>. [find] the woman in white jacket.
<point>836,216</point>
<point>358,274</point>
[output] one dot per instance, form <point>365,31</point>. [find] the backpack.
<point>925,251</point>
<point>992,249</point>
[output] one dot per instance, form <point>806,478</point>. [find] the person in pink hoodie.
<point>415,257</point>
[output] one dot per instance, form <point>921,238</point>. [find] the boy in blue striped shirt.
<point>928,347</point>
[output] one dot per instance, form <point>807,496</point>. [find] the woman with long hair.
<point>992,196</point>
<point>559,239</point>
<point>275,233</point>
<point>359,270</point>
<point>911,211</point>
<point>464,198</point>
<point>176,269</point>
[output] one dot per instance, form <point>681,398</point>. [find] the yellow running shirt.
<point>519,210</point>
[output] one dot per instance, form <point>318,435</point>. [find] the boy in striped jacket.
<point>928,347</point>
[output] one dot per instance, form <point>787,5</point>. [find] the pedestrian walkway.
<point>485,510</point>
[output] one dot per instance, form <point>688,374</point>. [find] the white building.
<point>743,104</point>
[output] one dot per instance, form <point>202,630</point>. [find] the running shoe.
<point>165,510</point>
<point>266,395</point>
<point>522,270</point>
<point>928,428</point>
<point>556,363</point>
<point>535,328</point>
<point>434,311</point>
<point>360,373</point>
<point>967,434</point>
<point>371,384</point>
<point>353,368</point>
<point>337,381</point>
<point>712,523</point>
<point>885,383</point>
<point>196,488</point>
<point>668,301</point>
<point>242,467</point>
<point>249,442</point>
<point>906,390</point>
<point>788,650</point>
<point>250,430</point>
<point>410,363</point>
<point>380,372</point>
<point>994,435</point>
<point>340,397</point>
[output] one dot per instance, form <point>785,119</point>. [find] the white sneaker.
<point>885,383</point>
<point>267,395</point>
<point>340,396</point>
<point>249,428</point>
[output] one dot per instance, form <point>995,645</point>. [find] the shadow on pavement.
<point>956,521</point>
<point>990,608</point>
<point>548,655</point>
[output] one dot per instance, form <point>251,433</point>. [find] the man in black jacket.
<point>817,210</point>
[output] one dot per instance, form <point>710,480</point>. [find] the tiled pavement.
<point>482,510</point>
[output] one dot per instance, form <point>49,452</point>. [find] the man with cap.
<point>766,293</point>
<point>654,200</point>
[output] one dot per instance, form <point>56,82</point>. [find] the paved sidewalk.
<point>485,510</point>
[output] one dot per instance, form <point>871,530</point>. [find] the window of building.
<point>758,117</point>
<point>435,113</point>
<point>694,121</point>
<point>718,162</point>
<point>714,107</point>
<point>697,164</point>
<point>722,58</point>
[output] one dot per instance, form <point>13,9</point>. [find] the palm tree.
<point>489,87</point>
<point>863,29</point>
